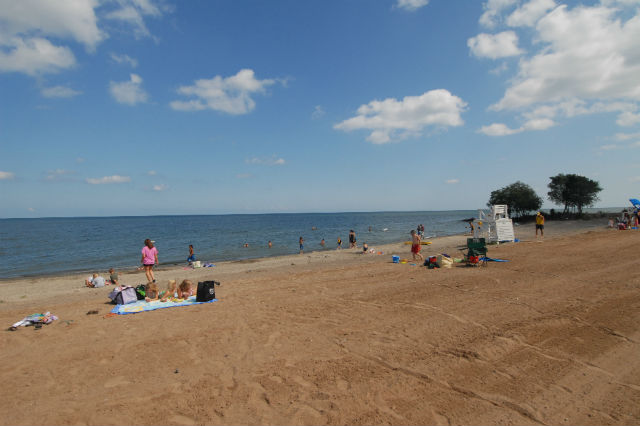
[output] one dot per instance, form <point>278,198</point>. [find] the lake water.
<point>61,245</point>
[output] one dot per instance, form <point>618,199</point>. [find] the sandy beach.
<point>337,337</point>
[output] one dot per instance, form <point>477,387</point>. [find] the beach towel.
<point>142,306</point>
<point>489,259</point>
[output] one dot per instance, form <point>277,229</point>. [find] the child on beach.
<point>151,292</point>
<point>192,257</point>
<point>365,248</point>
<point>172,289</point>
<point>415,245</point>
<point>113,277</point>
<point>186,290</point>
<point>95,281</point>
<point>301,241</point>
<point>339,243</point>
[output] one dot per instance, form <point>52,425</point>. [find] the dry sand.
<point>551,337</point>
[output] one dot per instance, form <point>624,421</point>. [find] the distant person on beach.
<point>322,243</point>
<point>269,244</point>
<point>420,230</point>
<point>113,277</point>
<point>192,257</point>
<point>186,290</point>
<point>539,224</point>
<point>352,239</point>
<point>415,245</point>
<point>365,248</point>
<point>149,258</point>
<point>246,245</point>
<point>301,241</point>
<point>339,244</point>
<point>471,226</point>
<point>95,281</point>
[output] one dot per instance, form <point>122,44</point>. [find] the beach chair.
<point>476,252</point>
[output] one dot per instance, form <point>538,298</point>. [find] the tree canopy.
<point>520,198</point>
<point>573,191</point>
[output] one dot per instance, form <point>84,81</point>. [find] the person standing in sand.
<point>192,256</point>
<point>415,245</point>
<point>149,258</point>
<point>352,239</point>
<point>339,244</point>
<point>301,245</point>
<point>540,224</point>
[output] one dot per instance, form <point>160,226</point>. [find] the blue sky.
<point>142,107</point>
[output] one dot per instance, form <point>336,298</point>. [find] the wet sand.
<point>337,337</point>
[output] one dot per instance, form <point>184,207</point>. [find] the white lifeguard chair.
<point>495,227</point>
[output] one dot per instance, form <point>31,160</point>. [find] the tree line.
<point>573,192</point>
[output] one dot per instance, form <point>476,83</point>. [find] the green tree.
<point>573,191</point>
<point>520,198</point>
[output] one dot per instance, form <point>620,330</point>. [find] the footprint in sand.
<point>272,339</point>
<point>116,381</point>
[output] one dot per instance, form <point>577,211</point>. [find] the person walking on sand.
<point>415,245</point>
<point>301,245</point>
<point>352,239</point>
<point>149,258</point>
<point>540,224</point>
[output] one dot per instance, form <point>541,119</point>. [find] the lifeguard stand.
<point>495,227</point>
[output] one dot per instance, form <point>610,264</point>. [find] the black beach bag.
<point>206,291</point>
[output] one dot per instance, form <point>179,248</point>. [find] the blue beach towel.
<point>489,259</point>
<point>142,306</point>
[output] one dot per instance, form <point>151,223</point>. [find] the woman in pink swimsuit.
<point>149,258</point>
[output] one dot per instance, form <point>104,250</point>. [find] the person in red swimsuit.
<point>415,245</point>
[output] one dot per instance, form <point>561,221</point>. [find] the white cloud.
<point>159,188</point>
<point>318,112</point>
<point>494,46</point>
<point>585,62</point>
<point>59,92</point>
<point>627,136</point>
<point>266,161</point>
<point>628,118</point>
<point>34,56</point>
<point>62,19</point>
<point>59,175</point>
<point>7,175</point>
<point>452,181</point>
<point>492,11</point>
<point>124,59</point>
<point>411,5</point>
<point>528,14</point>
<point>152,173</point>
<point>232,95</point>
<point>499,129</point>
<point>128,92</point>
<point>108,180</point>
<point>393,120</point>
<point>132,13</point>
<point>635,145</point>
<point>609,147</point>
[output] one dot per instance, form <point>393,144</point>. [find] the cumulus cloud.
<point>133,12</point>
<point>627,136</point>
<point>411,5</point>
<point>529,13</point>
<point>152,173</point>
<point>159,188</point>
<point>494,46</point>
<point>108,179</point>
<point>59,92</point>
<point>266,161</point>
<point>394,120</point>
<point>124,59</point>
<point>128,92</point>
<point>585,61</point>
<point>452,181</point>
<point>232,95</point>
<point>34,56</point>
<point>7,175</point>
<point>493,10</point>
<point>609,147</point>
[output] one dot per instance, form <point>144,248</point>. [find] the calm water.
<point>59,245</point>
